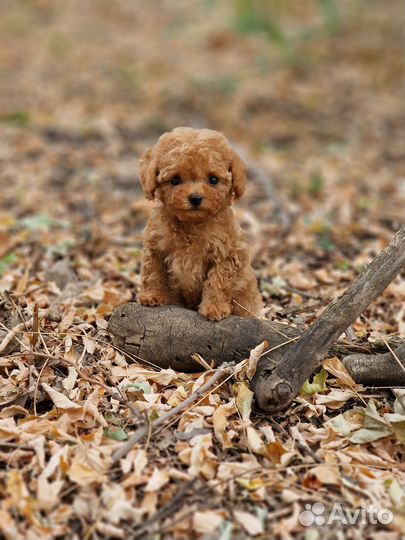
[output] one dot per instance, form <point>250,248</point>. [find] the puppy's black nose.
<point>195,199</point>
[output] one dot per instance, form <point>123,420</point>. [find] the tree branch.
<point>275,387</point>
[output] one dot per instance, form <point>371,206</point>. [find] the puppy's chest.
<point>187,264</point>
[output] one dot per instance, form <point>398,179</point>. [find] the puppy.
<point>195,253</point>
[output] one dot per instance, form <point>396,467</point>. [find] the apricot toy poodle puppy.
<point>195,253</point>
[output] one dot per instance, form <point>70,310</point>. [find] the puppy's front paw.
<point>153,298</point>
<point>215,312</point>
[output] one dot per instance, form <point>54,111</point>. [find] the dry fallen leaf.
<point>157,480</point>
<point>327,474</point>
<point>84,475</point>
<point>220,421</point>
<point>244,399</point>
<point>59,399</point>
<point>338,370</point>
<point>249,522</point>
<point>335,399</point>
<point>207,523</point>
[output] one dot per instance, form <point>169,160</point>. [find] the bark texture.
<point>377,369</point>
<point>169,336</point>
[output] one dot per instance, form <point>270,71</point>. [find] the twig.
<point>262,320</point>
<point>301,293</point>
<point>5,444</point>
<point>302,445</point>
<point>393,353</point>
<point>36,324</point>
<point>12,334</point>
<point>347,381</point>
<point>10,298</point>
<point>142,431</point>
<point>267,351</point>
<point>37,385</point>
<point>200,360</point>
<point>204,396</point>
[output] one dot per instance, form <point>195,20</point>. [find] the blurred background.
<point>309,92</point>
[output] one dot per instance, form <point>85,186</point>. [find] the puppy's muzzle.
<point>195,199</point>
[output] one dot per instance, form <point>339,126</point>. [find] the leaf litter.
<point>71,217</point>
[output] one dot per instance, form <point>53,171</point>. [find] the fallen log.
<point>385,369</point>
<point>170,336</point>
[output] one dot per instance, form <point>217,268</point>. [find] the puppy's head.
<point>194,172</point>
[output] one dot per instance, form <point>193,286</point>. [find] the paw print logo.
<point>312,515</point>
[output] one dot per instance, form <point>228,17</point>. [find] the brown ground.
<point>313,99</point>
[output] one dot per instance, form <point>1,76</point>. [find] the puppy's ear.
<point>148,172</point>
<point>238,170</point>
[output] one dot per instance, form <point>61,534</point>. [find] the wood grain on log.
<point>169,336</point>
<point>377,369</point>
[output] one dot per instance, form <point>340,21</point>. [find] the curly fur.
<point>196,256</point>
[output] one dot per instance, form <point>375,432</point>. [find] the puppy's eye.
<point>213,180</point>
<point>176,180</point>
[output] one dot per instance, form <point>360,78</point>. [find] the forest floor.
<point>314,104</point>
